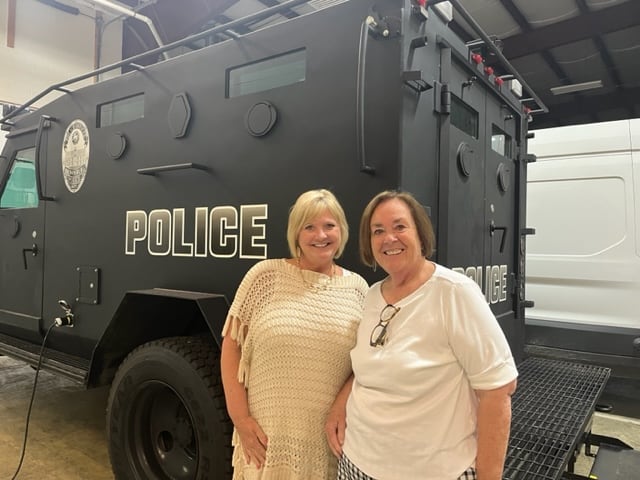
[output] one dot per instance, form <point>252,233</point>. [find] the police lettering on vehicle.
<point>492,280</point>
<point>221,232</point>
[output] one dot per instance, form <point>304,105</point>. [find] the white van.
<point>583,262</point>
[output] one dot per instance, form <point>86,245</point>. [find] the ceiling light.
<point>576,87</point>
<point>116,7</point>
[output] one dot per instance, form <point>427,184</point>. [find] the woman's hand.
<point>334,428</point>
<point>254,441</point>
<point>336,423</point>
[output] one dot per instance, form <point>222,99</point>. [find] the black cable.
<point>33,394</point>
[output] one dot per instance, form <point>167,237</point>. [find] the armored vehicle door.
<point>501,211</point>
<point>21,239</point>
<point>463,224</point>
<point>479,191</point>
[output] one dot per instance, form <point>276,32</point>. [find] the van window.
<point>20,190</point>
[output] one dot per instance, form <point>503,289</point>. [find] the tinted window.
<point>120,111</point>
<point>464,117</point>
<point>500,142</point>
<point>285,69</point>
<point>21,190</point>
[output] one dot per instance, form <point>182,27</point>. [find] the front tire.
<point>166,416</point>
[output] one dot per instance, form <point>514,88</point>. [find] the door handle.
<point>33,250</point>
<point>45,122</point>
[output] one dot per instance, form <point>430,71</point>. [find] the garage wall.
<point>51,46</point>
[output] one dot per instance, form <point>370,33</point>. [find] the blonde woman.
<point>285,353</point>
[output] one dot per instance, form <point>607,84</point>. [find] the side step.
<point>69,366</point>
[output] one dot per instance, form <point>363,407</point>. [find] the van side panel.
<point>634,133</point>
<point>583,263</point>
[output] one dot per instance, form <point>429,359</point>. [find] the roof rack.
<point>131,61</point>
<point>490,44</point>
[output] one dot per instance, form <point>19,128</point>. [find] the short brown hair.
<point>308,206</point>
<point>418,214</point>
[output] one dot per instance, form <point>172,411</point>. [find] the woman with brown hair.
<point>433,372</point>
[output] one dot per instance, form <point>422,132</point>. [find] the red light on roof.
<point>477,58</point>
<point>488,70</point>
<point>499,81</point>
<point>422,3</point>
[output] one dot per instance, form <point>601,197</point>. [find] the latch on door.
<point>33,250</point>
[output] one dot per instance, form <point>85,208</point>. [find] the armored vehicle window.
<point>120,111</point>
<point>500,142</point>
<point>285,69</point>
<point>464,117</point>
<point>20,190</point>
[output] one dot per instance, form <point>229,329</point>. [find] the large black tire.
<point>166,416</point>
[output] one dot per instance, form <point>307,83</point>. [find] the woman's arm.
<point>253,439</point>
<point>494,421</point>
<point>336,419</point>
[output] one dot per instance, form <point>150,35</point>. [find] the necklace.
<point>322,282</point>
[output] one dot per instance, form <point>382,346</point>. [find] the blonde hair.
<point>308,206</point>
<point>419,215</point>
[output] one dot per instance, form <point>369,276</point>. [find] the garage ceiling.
<point>552,43</point>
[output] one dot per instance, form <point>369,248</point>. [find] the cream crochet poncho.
<point>295,329</point>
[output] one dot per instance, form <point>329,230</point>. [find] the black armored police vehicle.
<point>131,208</point>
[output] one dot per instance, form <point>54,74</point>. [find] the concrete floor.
<point>67,439</point>
<point>625,429</point>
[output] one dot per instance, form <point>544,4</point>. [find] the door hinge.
<point>441,98</point>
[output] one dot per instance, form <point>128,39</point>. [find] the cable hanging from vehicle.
<point>33,394</point>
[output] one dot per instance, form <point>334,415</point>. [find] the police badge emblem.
<point>75,155</point>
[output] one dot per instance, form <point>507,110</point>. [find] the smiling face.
<point>395,243</point>
<point>309,207</point>
<point>319,240</point>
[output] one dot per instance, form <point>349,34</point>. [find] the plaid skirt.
<point>348,471</point>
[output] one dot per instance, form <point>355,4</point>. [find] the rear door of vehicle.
<point>479,195</point>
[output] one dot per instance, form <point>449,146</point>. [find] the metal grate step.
<point>552,406</point>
